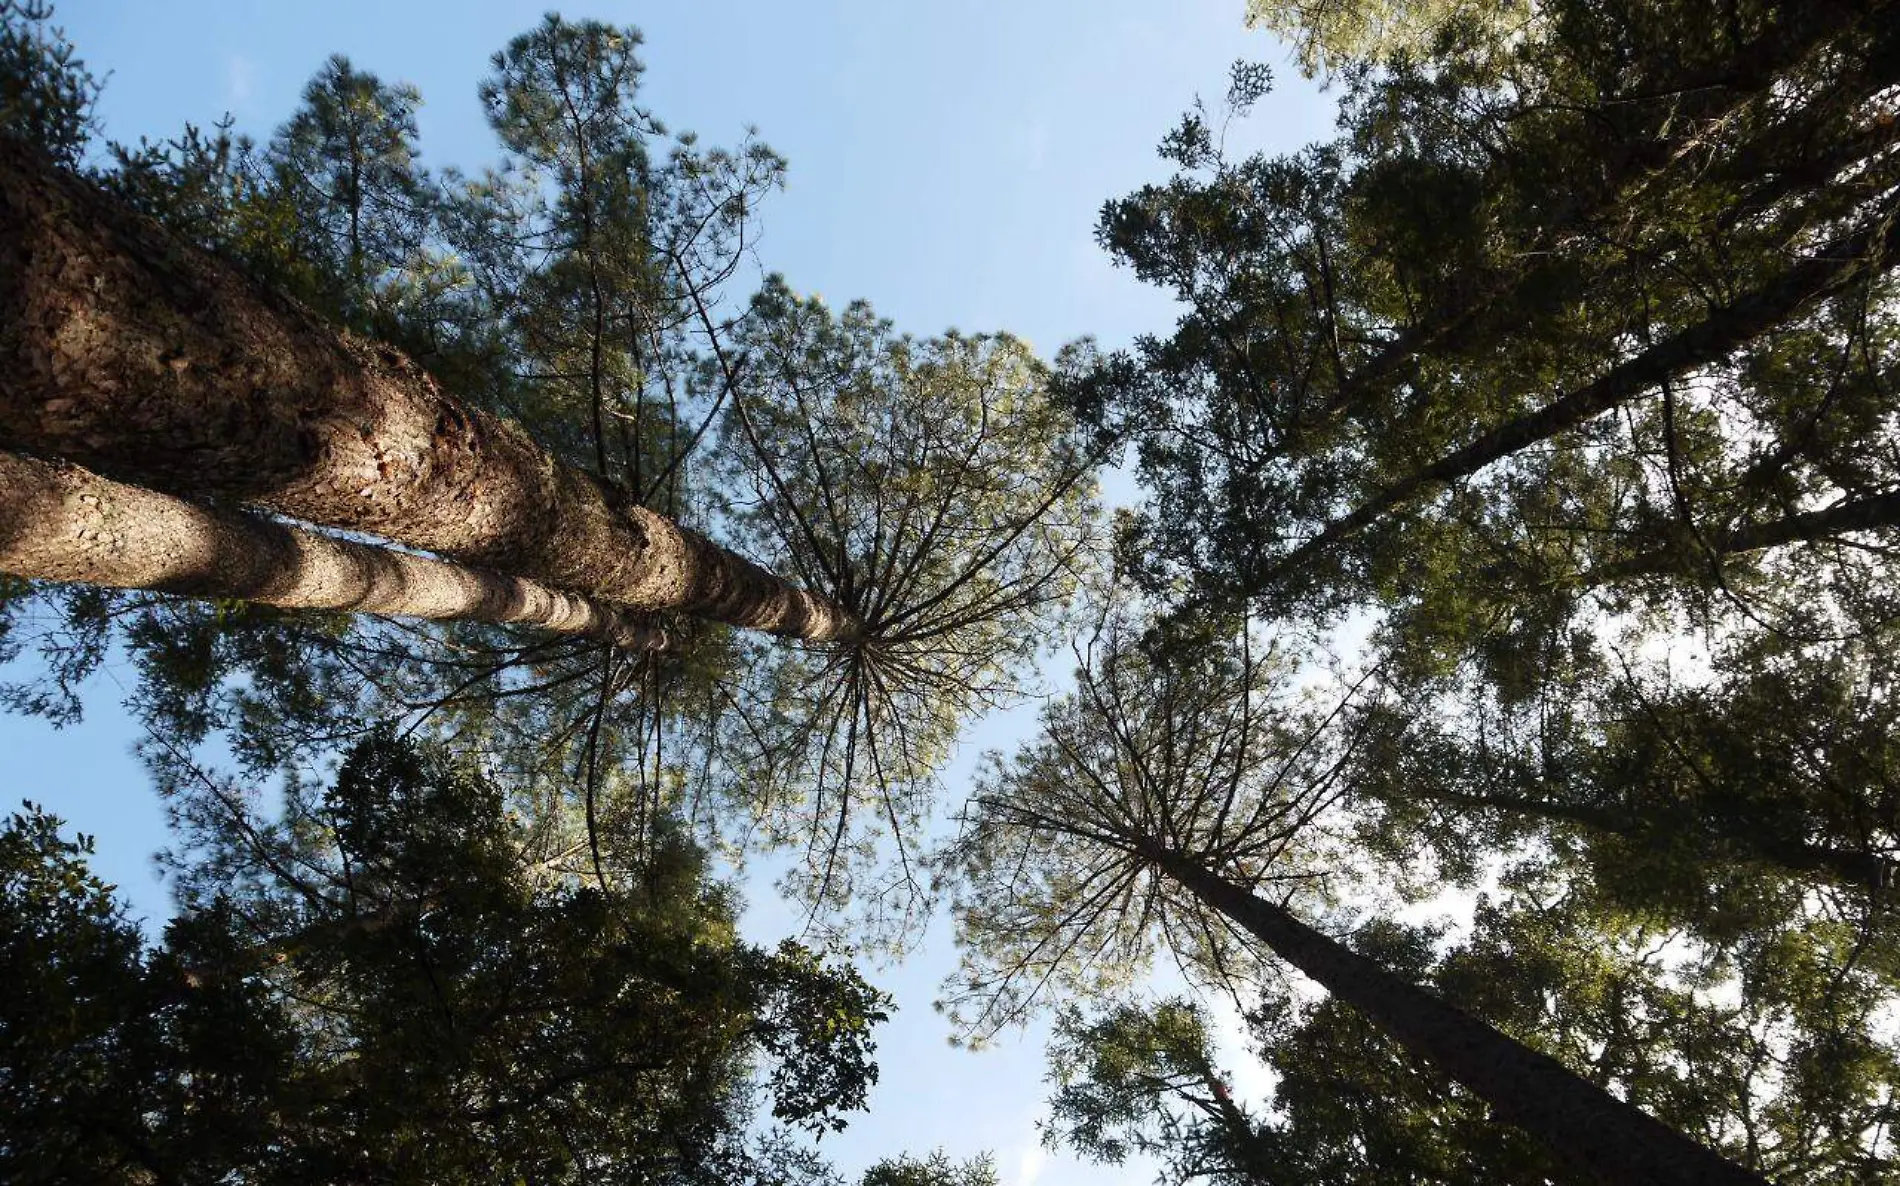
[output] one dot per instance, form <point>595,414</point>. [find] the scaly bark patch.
<point>128,352</point>
<point>62,523</point>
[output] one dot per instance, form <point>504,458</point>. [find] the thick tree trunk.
<point>1849,867</point>
<point>61,523</point>
<point>1717,336</point>
<point>1584,1125</point>
<point>126,351</point>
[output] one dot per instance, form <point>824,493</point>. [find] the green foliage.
<point>98,1033</point>
<point>578,289</point>
<point>46,92</point>
<point>68,649</point>
<point>932,487</point>
<point>1565,371</point>
<point>1761,1054</point>
<point>603,256</point>
<point>380,986</point>
<point>1185,749</point>
<point>362,209</point>
<point>1141,1079</point>
<point>1721,801</point>
<point>1708,1046</point>
<point>1578,342</point>
<point>1394,379</point>
<point>1331,35</point>
<point>937,1169</point>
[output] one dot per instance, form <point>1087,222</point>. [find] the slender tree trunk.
<point>1714,338</point>
<point>1243,1143</point>
<point>1860,514</point>
<point>1851,867</point>
<point>1763,165</point>
<point>128,352</point>
<point>61,523</point>
<point>1584,1125</point>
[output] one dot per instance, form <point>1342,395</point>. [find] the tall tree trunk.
<point>1858,514</point>
<point>61,523</point>
<point>128,352</point>
<point>1241,1140</point>
<point>1584,1125</point>
<point>1851,867</point>
<point>1814,277</point>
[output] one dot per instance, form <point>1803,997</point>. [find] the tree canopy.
<point>387,982</point>
<point>937,512</point>
<point>1487,694</point>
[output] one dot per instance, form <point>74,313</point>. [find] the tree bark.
<point>1850,867</point>
<point>61,523</point>
<point>147,360</point>
<point>1593,1131</point>
<point>1861,514</point>
<point>1723,331</point>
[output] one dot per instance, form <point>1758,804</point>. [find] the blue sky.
<point>946,162</point>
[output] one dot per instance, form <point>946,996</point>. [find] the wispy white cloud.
<point>240,80</point>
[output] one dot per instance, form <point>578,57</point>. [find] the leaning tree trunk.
<point>1816,276</point>
<point>61,523</point>
<point>1584,1125</point>
<point>1850,867</point>
<point>131,353</point>
<point>1692,557</point>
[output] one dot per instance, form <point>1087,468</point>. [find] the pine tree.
<point>1559,301</point>
<point>1174,795</point>
<point>607,402</point>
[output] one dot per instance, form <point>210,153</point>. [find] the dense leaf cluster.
<point>1555,395</point>
<point>381,985</point>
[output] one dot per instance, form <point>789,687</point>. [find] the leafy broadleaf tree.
<point>378,985</point>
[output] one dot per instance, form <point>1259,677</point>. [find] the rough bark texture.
<point>1598,1134</point>
<point>128,352</point>
<point>61,523</point>
<point>1725,330</point>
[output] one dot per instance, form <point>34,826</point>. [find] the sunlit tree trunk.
<point>128,352</point>
<point>1592,1130</point>
<point>61,523</point>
